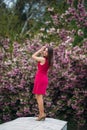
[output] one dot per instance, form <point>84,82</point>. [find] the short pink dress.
<point>41,78</point>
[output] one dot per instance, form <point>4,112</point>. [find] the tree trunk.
<point>25,25</point>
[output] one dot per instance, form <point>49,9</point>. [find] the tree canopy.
<point>22,16</point>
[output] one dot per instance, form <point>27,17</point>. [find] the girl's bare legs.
<point>40,102</point>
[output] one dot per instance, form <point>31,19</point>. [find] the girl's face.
<point>45,52</point>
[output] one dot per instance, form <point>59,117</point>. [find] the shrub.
<point>66,94</point>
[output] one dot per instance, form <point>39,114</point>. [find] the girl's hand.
<point>43,48</point>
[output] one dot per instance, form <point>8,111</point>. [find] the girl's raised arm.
<point>39,58</point>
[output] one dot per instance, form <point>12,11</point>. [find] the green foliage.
<point>85,4</point>
<point>9,23</point>
<point>13,19</point>
<point>77,40</point>
<point>85,32</point>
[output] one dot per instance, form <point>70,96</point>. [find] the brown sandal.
<point>41,118</point>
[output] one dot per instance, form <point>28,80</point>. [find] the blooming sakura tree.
<point>66,93</point>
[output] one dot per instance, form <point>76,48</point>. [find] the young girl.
<point>41,78</point>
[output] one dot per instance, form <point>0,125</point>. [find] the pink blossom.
<point>50,9</point>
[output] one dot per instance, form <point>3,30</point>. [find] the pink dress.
<point>41,78</point>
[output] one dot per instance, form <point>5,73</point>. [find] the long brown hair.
<point>50,56</point>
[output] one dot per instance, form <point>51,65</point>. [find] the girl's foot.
<point>41,118</point>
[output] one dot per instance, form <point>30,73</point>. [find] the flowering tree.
<point>67,85</point>
<point>70,23</point>
<point>67,93</point>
